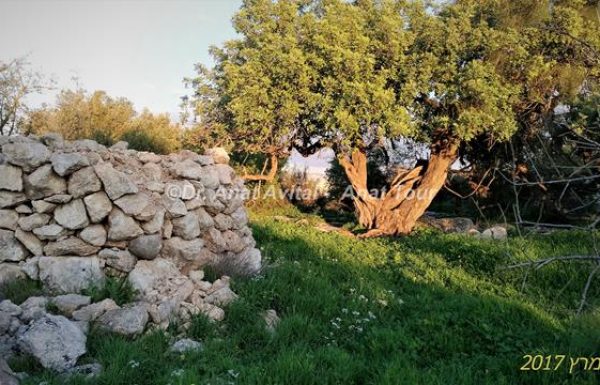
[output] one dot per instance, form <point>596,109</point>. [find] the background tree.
<point>17,82</point>
<point>78,114</point>
<point>257,99</point>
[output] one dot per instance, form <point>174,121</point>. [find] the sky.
<point>138,49</point>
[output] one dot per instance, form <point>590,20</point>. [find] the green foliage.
<point>349,74</point>
<point>19,290</point>
<point>431,308</point>
<point>81,115</point>
<point>118,289</point>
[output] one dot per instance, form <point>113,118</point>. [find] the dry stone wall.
<point>74,213</point>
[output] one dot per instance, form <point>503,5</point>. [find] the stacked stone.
<point>74,212</point>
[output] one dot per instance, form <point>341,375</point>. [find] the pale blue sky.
<point>139,49</point>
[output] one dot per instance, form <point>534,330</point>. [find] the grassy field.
<point>427,309</point>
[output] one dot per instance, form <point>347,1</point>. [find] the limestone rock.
<point>496,232</point>
<point>30,241</point>
<point>11,178</point>
<point>83,182</point>
<point>95,235</point>
<point>92,312</point>
<point>30,267</point>
<point>50,232</point>
<point>148,157</point>
<point>187,226</point>
<point>23,209</point>
<point>136,204</point>
<point>8,219</point>
<point>210,177</point>
<point>10,272</point>
<point>121,260</point>
<point>122,227</point>
<point>205,221</point>
<point>10,248</point>
<point>43,207</point>
<point>211,311</point>
<point>128,321</point>
<point>68,303</point>
<point>69,246</point>
<point>185,345</point>
<point>178,248</point>
<point>146,246</point>
<point>70,274</point>
<point>59,198</point>
<point>11,199</point>
<point>54,341</point>
<point>27,154</point>
<point>116,184</point>
<point>43,183</point>
<point>221,297</point>
<point>175,206</point>
<point>219,154</point>
<point>65,164</point>
<point>225,173</point>
<point>188,169</point>
<point>72,215</point>
<point>33,308</point>
<point>156,223</point>
<point>33,221</point>
<point>223,222</point>
<point>271,320</point>
<point>98,206</point>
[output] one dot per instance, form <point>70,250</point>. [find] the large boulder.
<point>64,275</point>
<point>54,341</point>
<point>10,272</point>
<point>68,303</point>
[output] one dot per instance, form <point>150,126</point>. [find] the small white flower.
<point>233,373</point>
<point>133,364</point>
<point>371,315</point>
<point>355,313</point>
<point>345,311</point>
<point>177,373</point>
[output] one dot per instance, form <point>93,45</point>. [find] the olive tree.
<point>352,75</point>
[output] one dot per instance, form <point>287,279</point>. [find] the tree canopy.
<point>307,74</point>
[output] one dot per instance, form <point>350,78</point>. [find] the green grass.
<point>426,309</point>
<point>19,290</point>
<point>118,289</point>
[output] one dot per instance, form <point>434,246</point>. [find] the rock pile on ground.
<point>74,213</point>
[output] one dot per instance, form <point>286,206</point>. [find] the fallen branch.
<point>543,262</point>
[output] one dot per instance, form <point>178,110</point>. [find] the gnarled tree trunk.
<point>397,210</point>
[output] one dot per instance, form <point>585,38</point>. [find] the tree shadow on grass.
<point>435,321</point>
